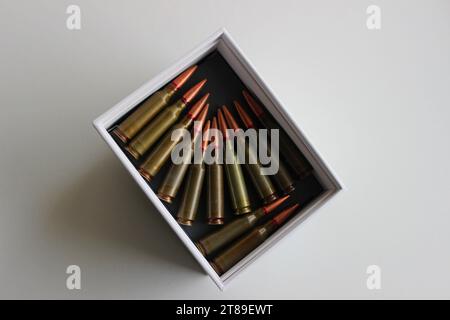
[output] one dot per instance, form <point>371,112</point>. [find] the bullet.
<point>240,201</point>
<point>175,176</point>
<point>150,107</point>
<point>215,187</point>
<point>157,127</point>
<point>242,247</point>
<point>292,154</point>
<point>194,185</point>
<point>161,153</point>
<point>282,178</point>
<point>238,227</point>
<point>262,183</point>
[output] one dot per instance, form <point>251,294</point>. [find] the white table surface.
<point>376,104</point>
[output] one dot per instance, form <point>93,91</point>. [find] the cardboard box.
<point>228,72</point>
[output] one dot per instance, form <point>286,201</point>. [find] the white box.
<point>222,42</point>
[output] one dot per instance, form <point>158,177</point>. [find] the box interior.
<point>225,86</point>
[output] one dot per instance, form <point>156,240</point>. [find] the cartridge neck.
<point>184,100</point>
<point>186,122</point>
<point>181,79</point>
<point>190,115</point>
<point>279,220</point>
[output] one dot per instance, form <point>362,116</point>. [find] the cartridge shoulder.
<point>161,96</point>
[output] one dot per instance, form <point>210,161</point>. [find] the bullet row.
<point>152,129</point>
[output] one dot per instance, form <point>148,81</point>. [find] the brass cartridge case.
<point>240,201</point>
<point>173,181</point>
<point>282,178</point>
<point>262,183</point>
<point>296,159</point>
<point>191,197</point>
<point>168,190</point>
<point>242,247</point>
<point>215,188</point>
<point>150,108</point>
<point>159,156</point>
<point>215,200</point>
<point>238,227</point>
<point>156,128</point>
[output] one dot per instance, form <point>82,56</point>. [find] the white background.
<point>375,104</point>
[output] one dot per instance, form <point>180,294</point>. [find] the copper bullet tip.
<point>197,107</point>
<point>248,122</point>
<point>188,96</point>
<point>222,124</point>
<point>214,123</point>
<point>206,135</point>
<point>203,114</point>
<point>230,119</point>
<point>256,108</point>
<point>284,215</point>
<point>178,82</point>
<point>272,206</point>
<point>200,120</point>
<point>213,138</point>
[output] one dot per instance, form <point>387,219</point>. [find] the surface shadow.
<point>105,208</point>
